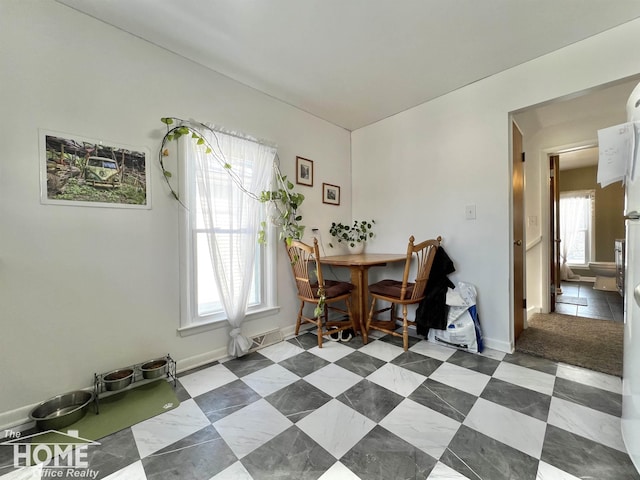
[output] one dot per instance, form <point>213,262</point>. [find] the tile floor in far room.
<point>601,305</point>
<point>348,411</point>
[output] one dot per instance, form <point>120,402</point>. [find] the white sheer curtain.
<point>232,218</point>
<point>575,211</point>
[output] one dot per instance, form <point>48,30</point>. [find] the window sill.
<point>202,327</point>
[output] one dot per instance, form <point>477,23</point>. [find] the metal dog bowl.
<point>118,379</point>
<point>62,410</point>
<point>154,368</point>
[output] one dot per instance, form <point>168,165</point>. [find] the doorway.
<point>585,221</point>
<point>556,126</point>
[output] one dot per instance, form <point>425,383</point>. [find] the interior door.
<point>554,230</point>
<point>519,302</point>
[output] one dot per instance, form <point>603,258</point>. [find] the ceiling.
<point>354,62</point>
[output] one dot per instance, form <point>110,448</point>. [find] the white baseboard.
<point>501,346</point>
<point>18,419</point>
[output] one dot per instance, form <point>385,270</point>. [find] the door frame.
<point>545,212</point>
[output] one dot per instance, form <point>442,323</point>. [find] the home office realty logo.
<point>62,455</point>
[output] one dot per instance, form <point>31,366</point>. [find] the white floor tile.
<point>586,422</point>
<point>461,378</point>
<point>443,472</point>
<point>549,472</point>
<point>135,471</point>
<point>169,427</point>
<point>339,472</point>
<point>336,427</point>
<point>397,379</point>
<point>234,472</point>
<point>422,427</point>
<point>207,379</point>
<point>591,378</point>
<point>525,377</point>
<point>382,350</point>
<point>512,428</point>
<point>333,379</point>
<point>270,379</point>
<point>331,351</point>
<point>433,350</point>
<point>251,427</point>
<point>24,473</point>
<point>280,351</point>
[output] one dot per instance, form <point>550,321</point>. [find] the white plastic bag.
<point>463,326</point>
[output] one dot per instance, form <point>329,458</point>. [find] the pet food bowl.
<point>154,368</point>
<point>62,410</point>
<point>118,379</point>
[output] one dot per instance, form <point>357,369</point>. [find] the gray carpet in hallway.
<point>585,342</point>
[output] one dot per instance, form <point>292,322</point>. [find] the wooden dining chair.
<point>404,293</point>
<point>307,273</point>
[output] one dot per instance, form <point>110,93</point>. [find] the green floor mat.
<point>120,411</point>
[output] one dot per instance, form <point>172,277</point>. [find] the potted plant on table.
<point>355,236</point>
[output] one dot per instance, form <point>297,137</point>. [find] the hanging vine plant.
<point>282,203</point>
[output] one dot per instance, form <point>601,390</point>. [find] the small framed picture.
<point>330,194</point>
<point>304,171</point>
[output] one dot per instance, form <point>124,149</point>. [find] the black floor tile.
<point>592,397</point>
<point>383,455</point>
<point>226,399</point>
<point>199,456</point>
<point>298,400</point>
<point>304,363</point>
<point>480,457</point>
<point>474,362</point>
<point>248,364</point>
<point>535,363</point>
<point>442,398</point>
<point>371,400</point>
<point>584,458</point>
<point>360,363</point>
<point>523,400</point>
<point>292,454</point>
<point>417,363</point>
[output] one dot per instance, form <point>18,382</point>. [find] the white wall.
<point>454,151</point>
<point>85,290</point>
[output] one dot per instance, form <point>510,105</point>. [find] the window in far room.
<point>577,227</point>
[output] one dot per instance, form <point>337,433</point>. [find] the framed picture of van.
<point>80,171</point>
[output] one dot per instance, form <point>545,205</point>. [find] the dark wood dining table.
<point>359,265</point>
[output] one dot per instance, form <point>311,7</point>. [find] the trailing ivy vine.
<point>283,202</point>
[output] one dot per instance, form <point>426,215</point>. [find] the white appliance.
<point>631,362</point>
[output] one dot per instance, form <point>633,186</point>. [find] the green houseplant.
<point>283,202</point>
<point>352,235</point>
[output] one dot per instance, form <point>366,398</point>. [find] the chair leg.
<point>319,321</point>
<point>299,319</point>
<point>367,326</point>
<point>405,329</point>
<point>355,327</point>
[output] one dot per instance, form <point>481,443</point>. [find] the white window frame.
<point>591,235</point>
<point>190,322</point>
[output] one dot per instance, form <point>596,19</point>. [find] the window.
<point>208,188</point>
<point>576,227</point>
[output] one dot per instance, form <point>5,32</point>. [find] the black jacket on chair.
<point>432,310</point>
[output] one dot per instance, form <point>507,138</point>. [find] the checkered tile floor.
<point>349,411</point>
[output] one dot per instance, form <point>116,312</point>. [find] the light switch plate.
<point>470,212</point>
